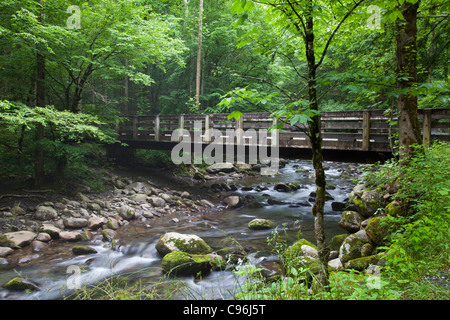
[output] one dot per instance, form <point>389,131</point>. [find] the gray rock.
<point>220,167</point>
<point>20,238</point>
<point>126,212</point>
<point>95,222</point>
<point>43,237</point>
<point>52,230</point>
<point>157,201</point>
<point>75,223</point>
<point>233,201</point>
<point>5,251</point>
<point>70,235</point>
<point>45,213</point>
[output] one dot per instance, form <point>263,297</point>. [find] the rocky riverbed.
<point>62,228</point>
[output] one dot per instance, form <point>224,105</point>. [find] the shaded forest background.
<point>63,86</point>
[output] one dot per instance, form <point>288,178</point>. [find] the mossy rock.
<point>261,224</point>
<point>183,263</point>
<point>5,242</point>
<point>300,253</point>
<point>351,247</point>
<point>362,263</point>
<point>232,255</point>
<point>395,209</point>
<point>377,229</point>
<point>174,241</point>
<point>350,221</point>
<point>337,240</point>
<point>80,250</point>
<point>21,284</point>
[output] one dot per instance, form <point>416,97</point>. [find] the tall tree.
<point>199,55</point>
<point>406,53</point>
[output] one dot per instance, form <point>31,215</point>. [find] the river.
<point>136,259</point>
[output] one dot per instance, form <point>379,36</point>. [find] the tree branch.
<point>335,31</point>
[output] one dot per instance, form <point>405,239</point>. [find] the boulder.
<point>351,247</point>
<point>368,203</point>
<point>95,222</point>
<point>43,236</point>
<point>94,206</point>
<point>362,263</point>
<point>243,166</point>
<point>220,167</point>
<point>261,224</point>
<point>335,263</point>
<point>20,238</point>
<point>377,229</point>
<point>233,201</point>
<point>350,221</point>
<point>183,263</point>
<point>81,250</point>
<point>37,245</point>
<point>21,284</point>
<point>112,223</point>
<point>395,209</point>
<point>126,212</point>
<point>174,241</point>
<point>139,197</point>
<point>75,223</point>
<point>5,251</point>
<point>108,235</point>
<point>45,213</point>
<point>282,187</point>
<point>337,240</point>
<point>302,254</point>
<point>70,235</point>
<point>157,201</point>
<point>51,230</point>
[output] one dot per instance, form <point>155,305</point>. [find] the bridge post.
<point>156,128</point>
<point>366,131</point>
<point>135,127</point>
<point>240,131</point>
<point>426,127</point>
<point>207,129</point>
<point>274,134</point>
<point>181,127</point>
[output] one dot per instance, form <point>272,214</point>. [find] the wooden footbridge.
<point>366,131</point>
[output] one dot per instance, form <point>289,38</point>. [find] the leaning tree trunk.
<point>39,173</point>
<point>406,53</point>
<point>317,157</point>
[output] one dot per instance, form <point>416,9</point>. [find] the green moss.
<point>362,263</point>
<point>182,263</point>
<point>5,242</point>
<point>21,284</point>
<point>337,240</point>
<point>377,229</point>
<point>395,209</point>
<point>260,224</point>
<point>80,250</point>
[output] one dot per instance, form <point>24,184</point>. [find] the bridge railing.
<point>341,130</point>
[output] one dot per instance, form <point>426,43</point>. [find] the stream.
<point>136,259</point>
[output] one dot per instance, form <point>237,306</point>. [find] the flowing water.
<point>136,258</point>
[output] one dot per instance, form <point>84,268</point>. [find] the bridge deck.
<point>341,130</point>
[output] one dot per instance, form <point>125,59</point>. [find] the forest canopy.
<point>91,62</point>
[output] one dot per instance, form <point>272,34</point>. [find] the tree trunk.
<point>199,55</point>
<point>317,157</point>
<point>39,174</point>
<point>406,53</point>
